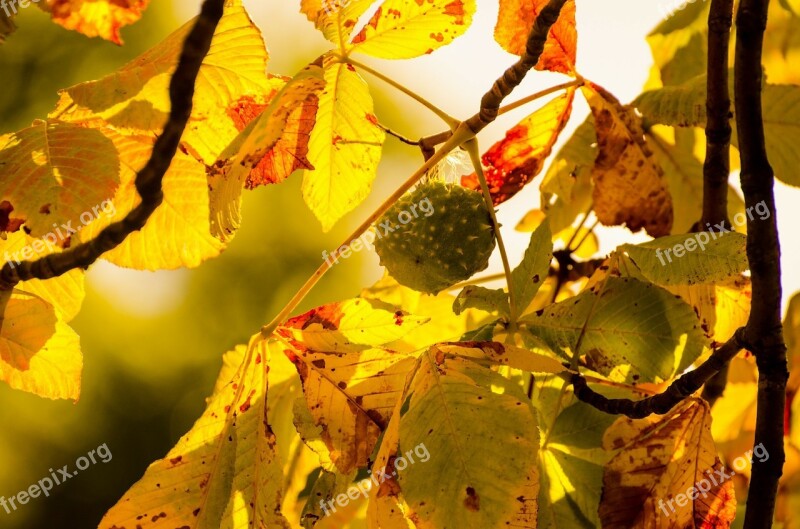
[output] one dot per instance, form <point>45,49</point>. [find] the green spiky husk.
<point>431,253</point>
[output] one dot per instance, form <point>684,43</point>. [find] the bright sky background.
<point>612,53</point>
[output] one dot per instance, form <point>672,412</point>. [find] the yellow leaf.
<point>345,146</point>
<point>224,473</point>
<point>179,231</point>
<point>350,326</point>
<point>98,18</point>
<point>649,483</point>
<point>629,185</point>
<point>65,293</point>
<point>38,353</point>
<point>515,22</point>
<point>402,29</point>
<point>350,396</point>
<point>336,19</point>
<point>56,172</point>
<point>135,99</point>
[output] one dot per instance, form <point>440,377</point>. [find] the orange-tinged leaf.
<point>53,173</point>
<point>225,472</point>
<point>515,160</point>
<point>274,141</point>
<point>648,484</point>
<point>630,188</point>
<point>345,146</point>
<point>515,22</point>
<point>289,153</point>
<point>402,29</point>
<point>96,18</point>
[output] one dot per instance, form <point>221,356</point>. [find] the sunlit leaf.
<point>629,185</point>
<point>135,98</point>
<point>402,29</point>
<point>665,473</point>
<point>223,473</point>
<point>516,160</point>
<point>345,146</point>
<point>471,433</point>
<point>178,233</point>
<point>625,329</point>
<point>98,18</point>
<point>514,25</point>
<point>56,172</point>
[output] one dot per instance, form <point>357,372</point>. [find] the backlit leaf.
<point>345,146</point>
<point>515,22</point>
<point>350,396</point>
<point>627,330</point>
<point>178,233</point>
<point>98,18</point>
<point>516,160</point>
<point>402,29</point>
<point>56,172</point>
<point>471,434</point>
<point>340,327</point>
<point>666,473</point>
<point>135,99</point>
<point>704,258</point>
<point>629,184</point>
<point>38,353</point>
<point>224,473</point>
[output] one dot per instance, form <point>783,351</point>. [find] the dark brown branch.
<point>683,387</point>
<point>513,76</point>
<point>716,385</point>
<point>148,180</point>
<point>717,167</point>
<point>763,332</point>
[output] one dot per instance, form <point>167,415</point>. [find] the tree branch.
<point>513,76</point>
<point>685,386</point>
<point>148,180</point>
<point>717,166</point>
<point>763,332</point>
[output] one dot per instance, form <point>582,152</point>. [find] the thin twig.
<point>397,135</point>
<point>148,180</point>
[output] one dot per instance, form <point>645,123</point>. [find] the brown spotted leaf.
<point>515,160</point>
<point>515,22</point>
<point>225,472</point>
<point>630,188</point>
<point>665,474</point>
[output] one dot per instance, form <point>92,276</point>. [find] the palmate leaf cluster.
<point>303,413</point>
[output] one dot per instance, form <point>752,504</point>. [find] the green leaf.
<point>706,258</point>
<point>485,299</point>
<point>625,329</point>
<point>683,105</point>
<point>528,277</point>
<point>482,446</point>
